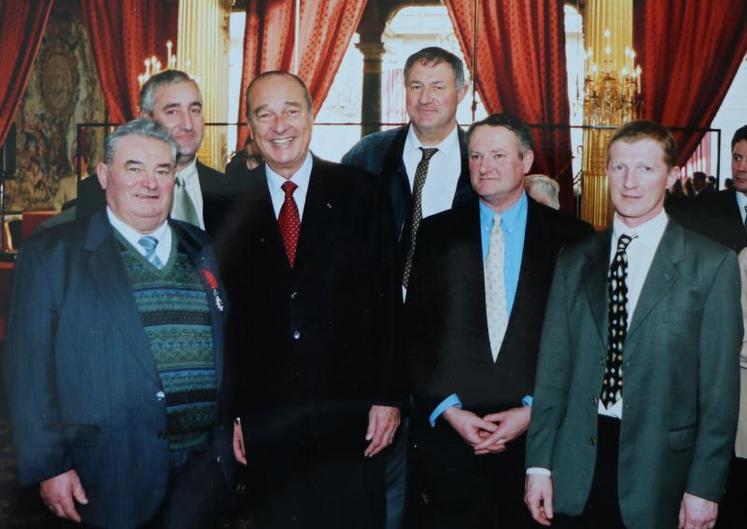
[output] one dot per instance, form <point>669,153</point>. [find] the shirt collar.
<point>300,178</point>
<point>648,233</point>
<point>189,172</point>
<point>741,201</point>
<point>511,219</point>
<point>447,147</point>
<point>130,233</point>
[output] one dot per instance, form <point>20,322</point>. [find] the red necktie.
<point>289,222</point>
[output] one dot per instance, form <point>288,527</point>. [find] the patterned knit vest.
<point>174,309</point>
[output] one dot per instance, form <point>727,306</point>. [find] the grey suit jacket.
<point>681,378</point>
<point>83,388</point>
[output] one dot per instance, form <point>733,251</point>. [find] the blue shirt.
<point>513,226</point>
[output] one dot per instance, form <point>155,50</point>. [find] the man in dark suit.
<point>307,257</point>
<point>637,391</point>
<point>202,195</point>
<point>474,313</point>
<point>114,354</point>
<point>720,215</point>
<point>434,87</point>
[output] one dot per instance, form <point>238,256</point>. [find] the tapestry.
<point>63,91</point>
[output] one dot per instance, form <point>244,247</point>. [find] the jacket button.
<point>593,439</point>
<point>162,436</point>
<point>296,335</point>
<point>160,395</point>
<point>294,294</point>
<point>595,401</point>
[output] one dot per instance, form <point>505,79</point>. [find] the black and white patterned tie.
<point>617,288</point>
<point>417,208</point>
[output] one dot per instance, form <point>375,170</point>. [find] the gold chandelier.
<point>153,65</point>
<point>611,96</point>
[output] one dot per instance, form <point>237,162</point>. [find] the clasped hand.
<point>489,434</point>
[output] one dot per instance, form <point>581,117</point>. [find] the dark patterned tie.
<point>612,384</point>
<point>417,208</point>
<point>289,222</point>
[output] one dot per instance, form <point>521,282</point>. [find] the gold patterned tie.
<point>495,288</point>
<point>421,172</point>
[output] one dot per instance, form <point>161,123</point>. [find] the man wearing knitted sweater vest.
<point>114,354</point>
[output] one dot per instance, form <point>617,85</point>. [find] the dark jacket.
<point>83,388</point>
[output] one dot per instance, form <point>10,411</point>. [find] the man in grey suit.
<point>636,398</point>
<point>114,354</point>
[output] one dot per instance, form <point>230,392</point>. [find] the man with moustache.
<point>308,260</point>
<point>114,354</point>
<point>637,392</point>
<point>474,312</point>
<point>424,165</point>
<point>202,195</point>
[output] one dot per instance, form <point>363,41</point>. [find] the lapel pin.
<point>213,284</point>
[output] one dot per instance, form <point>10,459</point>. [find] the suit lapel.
<point>315,222</point>
<point>661,275</point>
<point>393,168</point>
<point>464,192</point>
<point>471,270</point>
<point>113,287</point>
<point>595,282</point>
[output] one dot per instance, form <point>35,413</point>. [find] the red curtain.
<point>326,29</point>
<point>689,52</point>
<point>123,33</point>
<point>521,69</point>
<point>20,39</point>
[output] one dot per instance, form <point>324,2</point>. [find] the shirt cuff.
<point>449,402</point>
<point>538,471</point>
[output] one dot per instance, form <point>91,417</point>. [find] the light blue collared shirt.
<point>513,225</point>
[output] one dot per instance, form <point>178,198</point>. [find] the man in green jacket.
<point>637,390</point>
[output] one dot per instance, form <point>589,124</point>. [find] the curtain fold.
<point>20,40</point>
<point>326,27</point>
<point>521,69</point>
<point>689,53</point>
<point>123,33</point>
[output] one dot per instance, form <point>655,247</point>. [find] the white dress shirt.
<point>162,234</point>
<point>301,178</point>
<point>192,184</point>
<point>443,170</point>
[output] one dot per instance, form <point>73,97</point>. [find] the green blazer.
<point>681,394</point>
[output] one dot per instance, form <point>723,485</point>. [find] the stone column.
<point>202,51</point>
<point>371,94</point>
<point>615,16</point>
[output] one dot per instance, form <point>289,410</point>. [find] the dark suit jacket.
<point>218,195</point>
<point>681,378</point>
<point>82,383</point>
<point>381,153</point>
<point>311,348</point>
<point>446,327</point>
<point>715,215</point>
